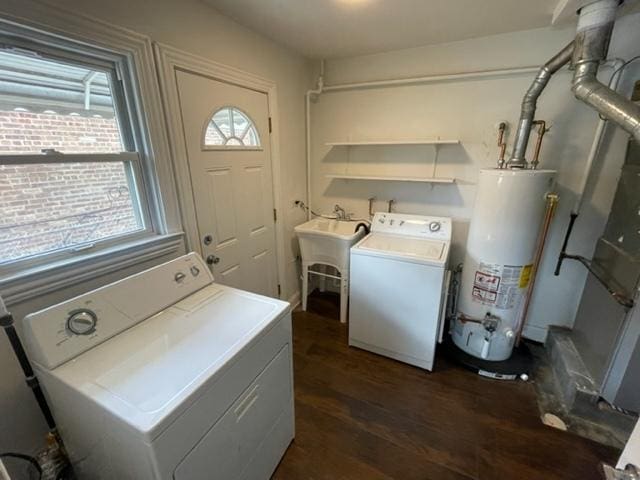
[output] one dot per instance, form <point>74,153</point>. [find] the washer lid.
<point>145,375</point>
<point>432,252</point>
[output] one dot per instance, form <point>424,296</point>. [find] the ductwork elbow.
<point>610,104</point>
<point>595,26</point>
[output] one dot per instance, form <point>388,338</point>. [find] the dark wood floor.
<point>362,416</point>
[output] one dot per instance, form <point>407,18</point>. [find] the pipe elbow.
<point>584,87</point>
<point>608,103</point>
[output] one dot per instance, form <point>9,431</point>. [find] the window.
<point>70,173</point>
<point>231,128</point>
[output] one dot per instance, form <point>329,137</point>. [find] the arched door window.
<point>231,128</point>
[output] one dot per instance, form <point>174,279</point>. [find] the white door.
<point>226,132</point>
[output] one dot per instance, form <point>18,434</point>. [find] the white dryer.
<point>398,287</point>
<point>167,375</point>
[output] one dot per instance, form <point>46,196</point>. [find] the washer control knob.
<point>82,321</point>
<point>179,277</point>
<point>434,226</point>
<point>195,271</point>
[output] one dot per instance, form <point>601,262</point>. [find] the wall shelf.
<point>393,142</point>
<point>391,178</point>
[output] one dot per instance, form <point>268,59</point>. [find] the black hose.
<point>367,229</point>
<point>563,251</point>
<point>27,458</point>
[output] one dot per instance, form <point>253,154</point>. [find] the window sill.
<point>31,283</point>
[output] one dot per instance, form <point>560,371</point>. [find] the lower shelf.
<point>393,179</point>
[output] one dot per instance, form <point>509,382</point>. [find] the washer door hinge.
<point>270,125</point>
<point>275,215</point>
<point>279,290</point>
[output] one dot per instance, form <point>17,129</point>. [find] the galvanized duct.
<point>595,25</point>
<point>528,109</point>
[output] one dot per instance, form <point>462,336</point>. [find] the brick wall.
<point>26,132</point>
<point>45,207</point>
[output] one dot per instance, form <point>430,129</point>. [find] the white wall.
<point>197,28</point>
<point>469,110</point>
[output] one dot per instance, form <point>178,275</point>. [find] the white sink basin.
<point>344,230</point>
<point>328,241</point>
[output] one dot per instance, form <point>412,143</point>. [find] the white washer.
<point>167,375</point>
<point>398,287</point>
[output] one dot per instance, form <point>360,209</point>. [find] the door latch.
<point>213,260</point>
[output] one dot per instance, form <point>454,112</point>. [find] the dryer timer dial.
<point>82,321</point>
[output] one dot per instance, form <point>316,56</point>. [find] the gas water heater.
<point>508,213</point>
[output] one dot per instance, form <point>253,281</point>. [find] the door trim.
<point>168,61</point>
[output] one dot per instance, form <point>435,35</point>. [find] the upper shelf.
<point>387,178</point>
<point>355,143</point>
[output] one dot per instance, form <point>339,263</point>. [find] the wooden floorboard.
<point>363,416</point>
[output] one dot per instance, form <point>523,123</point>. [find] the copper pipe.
<point>542,129</point>
<point>465,319</point>
<point>501,143</point>
<point>552,203</point>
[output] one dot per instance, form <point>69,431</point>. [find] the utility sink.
<point>341,229</point>
<point>326,241</point>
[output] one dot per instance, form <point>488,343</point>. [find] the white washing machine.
<point>398,286</point>
<point>167,375</point>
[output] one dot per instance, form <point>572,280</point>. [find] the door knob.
<point>213,260</point>
<point>207,239</point>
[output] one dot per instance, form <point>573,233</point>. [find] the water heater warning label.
<point>502,286</point>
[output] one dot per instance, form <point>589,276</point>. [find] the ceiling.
<point>340,28</point>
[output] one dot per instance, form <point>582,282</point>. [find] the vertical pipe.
<point>317,91</point>
<point>552,203</point>
<point>616,65</point>
<point>502,144</point>
<point>542,129</point>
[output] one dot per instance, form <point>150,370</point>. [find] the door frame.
<point>168,61</point>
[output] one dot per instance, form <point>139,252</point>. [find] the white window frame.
<point>128,58</point>
<point>207,147</point>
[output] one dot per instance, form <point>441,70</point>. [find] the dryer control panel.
<point>412,225</point>
<point>60,333</point>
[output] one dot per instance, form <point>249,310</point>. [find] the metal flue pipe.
<point>529,103</point>
<point>595,25</point>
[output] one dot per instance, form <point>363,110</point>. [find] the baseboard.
<point>294,300</point>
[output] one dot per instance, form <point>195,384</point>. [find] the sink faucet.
<point>340,212</point>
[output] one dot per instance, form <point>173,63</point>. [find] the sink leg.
<point>305,286</point>
<point>344,298</point>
